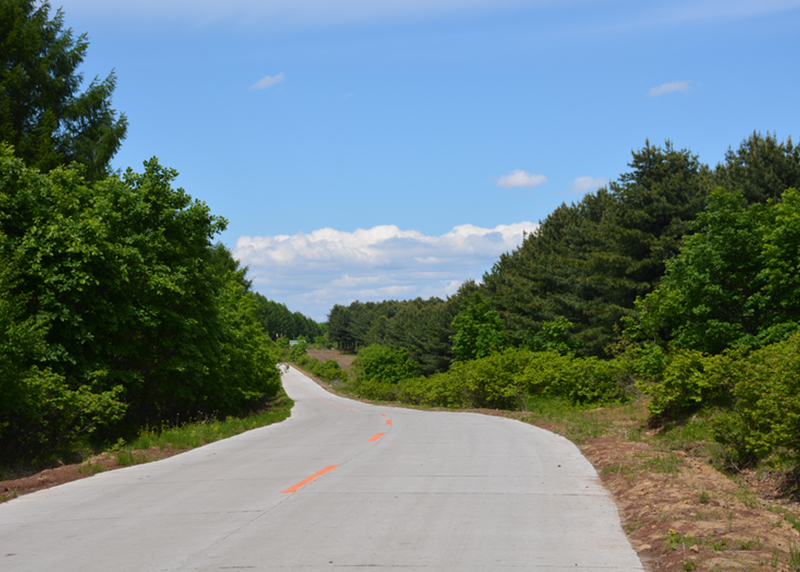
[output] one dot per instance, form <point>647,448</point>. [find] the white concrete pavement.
<point>397,489</point>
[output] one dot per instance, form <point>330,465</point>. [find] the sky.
<point>372,150</point>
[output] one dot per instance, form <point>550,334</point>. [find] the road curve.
<point>339,485</point>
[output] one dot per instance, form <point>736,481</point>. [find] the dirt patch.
<point>22,485</point>
<point>344,360</point>
<point>681,514</point>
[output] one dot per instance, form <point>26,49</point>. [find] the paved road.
<point>394,489</point>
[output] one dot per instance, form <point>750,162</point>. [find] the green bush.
<point>438,390</point>
<point>578,380</point>
<point>298,351</point>
<point>384,364</point>
<point>691,380</point>
<point>505,380</point>
<point>766,417</point>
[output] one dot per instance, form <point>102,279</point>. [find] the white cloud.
<point>587,184</point>
<point>312,272</point>
<point>521,179</point>
<point>671,87</point>
<point>268,81</point>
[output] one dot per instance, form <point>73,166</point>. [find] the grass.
<point>579,423</point>
<point>90,468</point>
<point>790,518</point>
<point>794,558</point>
<point>191,435</point>
<point>667,463</point>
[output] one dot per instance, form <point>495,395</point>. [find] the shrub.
<point>692,380</point>
<point>766,416</point>
<point>384,364</point>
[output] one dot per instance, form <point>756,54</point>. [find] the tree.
<point>735,281</point>
<point>762,168</point>
<point>479,331</point>
<point>43,114</point>
<point>133,292</point>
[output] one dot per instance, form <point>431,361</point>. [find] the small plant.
<point>668,463</point>
<point>619,469</point>
<point>130,458</point>
<point>704,497</point>
<point>776,557</point>
<point>689,565</point>
<point>91,468</point>
<point>748,498</point>
<point>750,544</point>
<point>12,495</point>
<point>794,558</point>
<point>720,544</point>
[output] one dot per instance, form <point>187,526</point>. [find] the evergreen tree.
<point>43,114</point>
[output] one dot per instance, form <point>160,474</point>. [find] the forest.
<point>118,310</point>
<point>678,283</point>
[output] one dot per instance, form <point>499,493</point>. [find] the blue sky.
<point>370,150</point>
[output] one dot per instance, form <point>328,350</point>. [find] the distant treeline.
<point>279,321</point>
<point>588,262</point>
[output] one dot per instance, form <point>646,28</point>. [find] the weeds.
<point>667,464</point>
<point>790,518</point>
<point>91,468</point>
<point>12,495</point>
<point>794,558</point>
<point>130,458</point>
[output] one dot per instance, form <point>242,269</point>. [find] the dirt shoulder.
<point>27,482</point>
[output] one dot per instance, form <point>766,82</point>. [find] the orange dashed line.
<point>383,414</point>
<point>388,421</point>
<point>310,479</point>
<point>375,437</point>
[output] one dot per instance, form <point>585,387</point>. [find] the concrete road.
<point>340,485</point>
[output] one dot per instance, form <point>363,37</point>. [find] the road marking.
<point>310,479</point>
<point>383,414</point>
<point>388,421</point>
<point>375,437</point>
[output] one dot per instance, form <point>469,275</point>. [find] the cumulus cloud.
<point>521,179</point>
<point>587,184</point>
<point>312,272</point>
<point>268,81</point>
<point>671,87</point>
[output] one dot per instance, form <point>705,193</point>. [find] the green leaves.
<point>478,331</point>
<point>139,308</point>
<point>735,280</point>
<point>42,113</point>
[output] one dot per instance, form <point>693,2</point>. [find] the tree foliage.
<point>121,304</point>
<point>735,281</point>
<point>43,113</point>
<point>478,331</point>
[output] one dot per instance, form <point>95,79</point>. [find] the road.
<point>340,485</point>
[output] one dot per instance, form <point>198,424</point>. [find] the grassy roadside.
<point>152,444</point>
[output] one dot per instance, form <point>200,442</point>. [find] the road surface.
<point>339,486</point>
